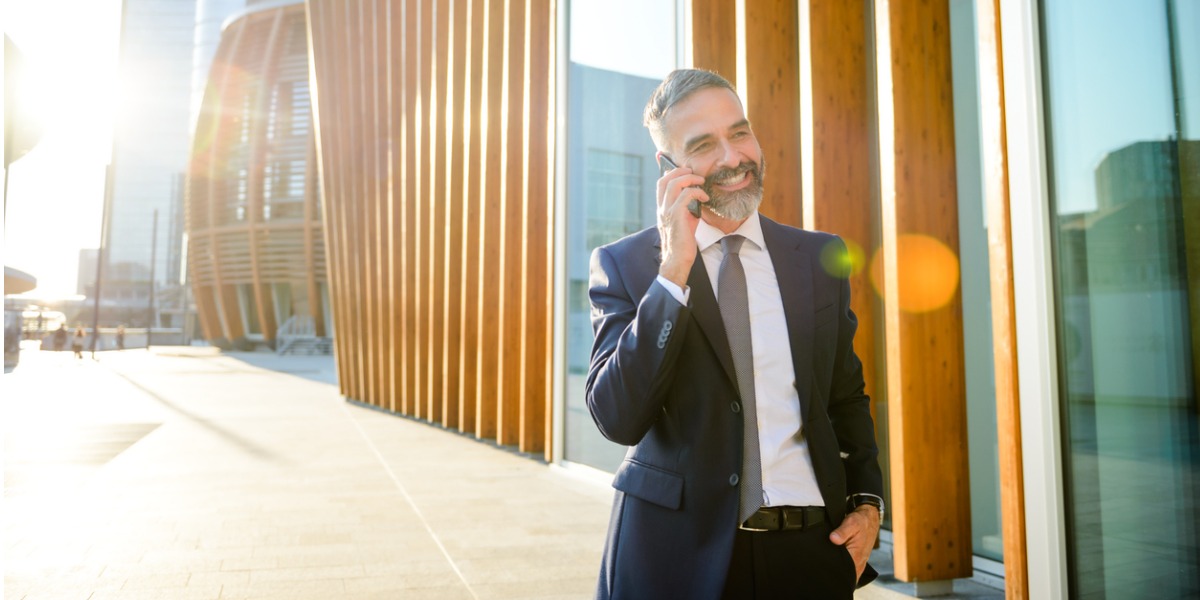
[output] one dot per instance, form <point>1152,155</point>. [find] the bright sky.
<point>594,21</point>
<point>56,192</point>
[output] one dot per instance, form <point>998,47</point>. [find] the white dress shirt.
<point>788,477</point>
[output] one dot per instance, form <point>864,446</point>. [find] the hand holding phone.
<point>665,164</point>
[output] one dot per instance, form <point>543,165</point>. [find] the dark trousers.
<point>795,564</point>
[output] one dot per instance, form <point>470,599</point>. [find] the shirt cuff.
<point>680,294</point>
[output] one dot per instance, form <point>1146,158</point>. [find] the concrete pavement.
<point>185,473</point>
<point>188,474</point>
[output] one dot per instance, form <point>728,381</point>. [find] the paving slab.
<point>185,473</point>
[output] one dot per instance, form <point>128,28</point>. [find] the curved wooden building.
<point>255,246</point>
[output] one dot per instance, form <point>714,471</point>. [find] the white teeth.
<point>732,180</point>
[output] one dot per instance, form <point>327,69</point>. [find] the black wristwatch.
<point>854,501</point>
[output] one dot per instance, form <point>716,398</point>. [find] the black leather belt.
<point>783,518</point>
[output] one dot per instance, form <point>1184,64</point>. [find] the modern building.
<point>150,149</point>
<point>166,48</point>
<point>1017,181</point>
<point>255,246</point>
<point>210,16</point>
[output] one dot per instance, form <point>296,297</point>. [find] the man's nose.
<point>730,156</point>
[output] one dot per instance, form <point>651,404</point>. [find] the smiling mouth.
<point>729,178</point>
<point>734,180</point>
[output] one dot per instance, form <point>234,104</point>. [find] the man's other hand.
<point>857,533</point>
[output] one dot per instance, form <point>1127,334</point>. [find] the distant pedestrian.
<point>77,343</point>
<point>120,337</point>
<point>60,338</point>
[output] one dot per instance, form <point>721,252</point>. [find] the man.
<point>723,359</point>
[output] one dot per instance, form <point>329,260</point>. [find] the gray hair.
<point>679,84</point>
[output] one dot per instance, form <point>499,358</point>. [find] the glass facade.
<point>611,171</point>
<point>1122,85</point>
<point>978,361</point>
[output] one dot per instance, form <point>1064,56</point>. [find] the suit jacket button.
<point>733,479</point>
<point>735,406</point>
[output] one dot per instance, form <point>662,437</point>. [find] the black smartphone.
<point>666,164</point>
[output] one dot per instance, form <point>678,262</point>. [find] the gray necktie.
<point>735,312</point>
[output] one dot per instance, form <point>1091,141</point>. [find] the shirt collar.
<point>751,229</point>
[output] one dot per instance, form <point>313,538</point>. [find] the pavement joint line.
<point>408,498</point>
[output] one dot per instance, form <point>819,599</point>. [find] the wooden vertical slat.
<point>473,218</point>
<point>456,221</point>
<point>363,250</point>
<point>423,205</point>
<point>714,37</point>
<point>439,210</point>
<point>335,202</point>
<point>263,303</point>
<point>411,201</point>
<point>835,150</point>
<point>381,206</point>
<point>233,315</point>
<point>490,317</point>
<point>336,207</point>
<point>206,305</point>
<point>320,57</point>
<point>926,390</point>
<point>994,148</point>
<point>354,198</point>
<point>395,156</point>
<point>371,225</point>
<point>443,229</point>
<point>772,96</point>
<point>537,299</point>
<point>512,232</point>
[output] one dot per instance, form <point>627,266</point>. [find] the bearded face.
<point>738,204</point>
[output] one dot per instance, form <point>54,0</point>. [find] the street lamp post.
<point>153,258</point>
<point>108,191</point>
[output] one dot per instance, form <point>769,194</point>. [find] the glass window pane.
<point>1123,172</point>
<point>982,439</point>
<point>611,171</point>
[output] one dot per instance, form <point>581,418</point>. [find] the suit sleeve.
<point>637,345</point>
<point>849,405</point>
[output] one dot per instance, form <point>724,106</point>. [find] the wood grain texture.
<point>438,177</point>
<point>473,218</point>
<point>1004,322</point>
<point>456,224</point>
<point>537,301</point>
<point>836,151</point>
<point>490,248</point>
<point>410,203</point>
<point>714,37</point>
<point>926,389</point>
<point>512,273</point>
<point>772,97</point>
<point>440,72</point>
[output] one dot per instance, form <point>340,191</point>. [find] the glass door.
<point>1122,84</point>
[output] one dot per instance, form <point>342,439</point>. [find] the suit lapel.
<point>793,270</point>
<point>705,311</point>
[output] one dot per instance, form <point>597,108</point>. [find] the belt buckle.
<point>744,525</point>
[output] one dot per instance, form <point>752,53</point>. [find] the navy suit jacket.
<point>662,382</point>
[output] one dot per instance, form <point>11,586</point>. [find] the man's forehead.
<point>705,112</point>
